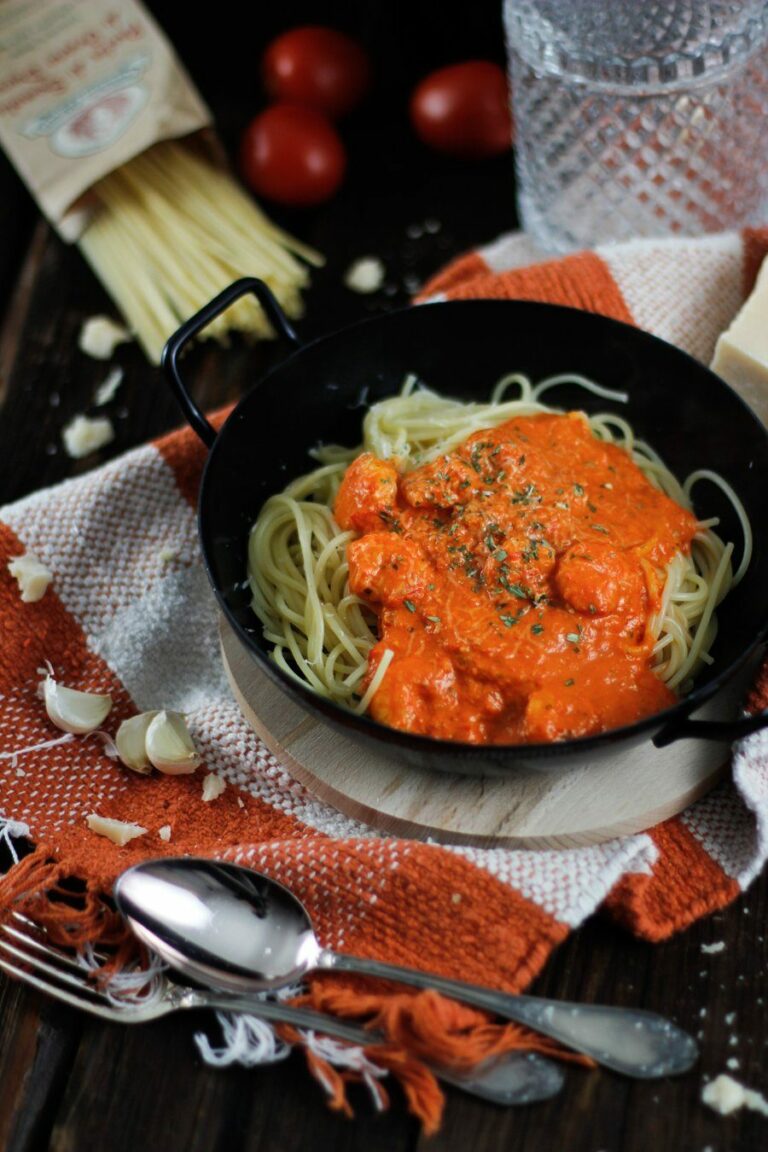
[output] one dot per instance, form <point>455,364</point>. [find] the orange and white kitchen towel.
<point>130,612</point>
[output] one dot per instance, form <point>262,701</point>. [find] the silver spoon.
<point>233,928</point>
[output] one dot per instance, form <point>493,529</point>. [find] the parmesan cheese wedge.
<point>741,353</point>
<point>118,831</point>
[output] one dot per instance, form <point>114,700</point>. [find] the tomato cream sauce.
<point>514,580</point>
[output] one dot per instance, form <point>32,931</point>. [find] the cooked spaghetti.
<point>495,573</point>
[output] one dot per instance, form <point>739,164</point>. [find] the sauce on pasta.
<point>514,579</point>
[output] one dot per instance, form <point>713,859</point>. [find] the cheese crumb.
<point>165,555</point>
<point>165,832</point>
<point>365,274</point>
<point>32,576</point>
<point>100,335</point>
<point>118,831</point>
<point>710,949</point>
<point>726,1095</point>
<point>213,786</point>
<point>84,435</point>
<point>106,391</point>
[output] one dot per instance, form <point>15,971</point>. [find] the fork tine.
<point>107,1013</point>
<point>79,982</point>
<point>44,949</point>
<point>36,933</point>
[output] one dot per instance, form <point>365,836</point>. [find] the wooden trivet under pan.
<point>562,808</point>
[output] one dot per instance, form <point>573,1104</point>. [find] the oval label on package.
<point>100,123</point>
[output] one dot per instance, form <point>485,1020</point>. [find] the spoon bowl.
<point>219,923</point>
<point>236,929</point>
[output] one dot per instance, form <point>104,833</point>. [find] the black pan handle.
<point>727,731</point>
<point>182,336</point>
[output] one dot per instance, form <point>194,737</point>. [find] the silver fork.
<point>514,1078</point>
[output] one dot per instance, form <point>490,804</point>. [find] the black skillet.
<point>320,392</point>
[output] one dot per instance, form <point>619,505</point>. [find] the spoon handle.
<point>513,1078</point>
<point>631,1041</point>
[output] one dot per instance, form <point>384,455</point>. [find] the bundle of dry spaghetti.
<point>170,229</point>
<point>109,133</point>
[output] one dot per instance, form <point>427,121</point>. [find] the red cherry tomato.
<point>293,155</point>
<point>464,110</point>
<point>316,66</point>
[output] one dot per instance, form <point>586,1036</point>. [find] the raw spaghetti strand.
<point>170,230</point>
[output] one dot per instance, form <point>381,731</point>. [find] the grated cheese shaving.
<point>365,274</point>
<point>85,434</point>
<point>31,575</point>
<point>213,786</point>
<point>726,1095</point>
<point>106,391</point>
<point>100,335</point>
<point>118,831</point>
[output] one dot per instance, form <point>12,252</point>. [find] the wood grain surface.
<point>73,1084</point>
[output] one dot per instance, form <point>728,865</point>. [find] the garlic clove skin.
<point>131,741</point>
<point>169,745</point>
<point>74,711</point>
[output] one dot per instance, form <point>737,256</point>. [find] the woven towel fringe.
<point>431,1027</point>
<point>335,1067</point>
<point>136,983</point>
<point>246,1040</point>
<point>11,830</point>
<point>421,1027</point>
<point>74,913</point>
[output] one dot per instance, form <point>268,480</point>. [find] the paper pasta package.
<point>104,126</point>
<point>84,87</point>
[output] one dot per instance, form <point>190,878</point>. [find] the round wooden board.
<point>565,808</point>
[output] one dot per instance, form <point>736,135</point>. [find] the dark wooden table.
<point>73,1084</point>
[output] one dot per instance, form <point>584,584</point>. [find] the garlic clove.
<point>169,745</point>
<point>131,741</point>
<point>74,711</point>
